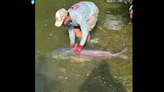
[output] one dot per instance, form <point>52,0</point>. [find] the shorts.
<point>91,22</point>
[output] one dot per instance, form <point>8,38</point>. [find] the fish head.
<point>58,55</point>
<point>55,54</point>
<point>61,53</point>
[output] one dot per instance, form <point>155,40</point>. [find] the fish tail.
<point>119,53</point>
<point>123,51</point>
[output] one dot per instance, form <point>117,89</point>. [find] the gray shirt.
<point>80,13</point>
<point>131,9</point>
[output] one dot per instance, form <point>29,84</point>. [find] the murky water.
<point>112,32</point>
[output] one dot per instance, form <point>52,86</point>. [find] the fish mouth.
<point>59,56</point>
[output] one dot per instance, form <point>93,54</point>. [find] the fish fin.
<point>120,53</point>
<point>123,56</point>
<point>124,50</point>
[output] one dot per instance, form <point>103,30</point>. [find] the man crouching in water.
<point>82,15</point>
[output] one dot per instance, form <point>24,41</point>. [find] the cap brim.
<point>58,23</point>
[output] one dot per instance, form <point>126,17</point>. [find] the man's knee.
<point>78,35</point>
<point>78,32</point>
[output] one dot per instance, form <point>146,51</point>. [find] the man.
<point>131,11</point>
<point>80,19</point>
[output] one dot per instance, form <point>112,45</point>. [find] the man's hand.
<point>78,49</point>
<point>71,45</point>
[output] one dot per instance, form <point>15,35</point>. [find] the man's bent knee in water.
<point>79,34</point>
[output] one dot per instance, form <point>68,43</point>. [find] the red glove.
<point>71,45</point>
<point>78,49</point>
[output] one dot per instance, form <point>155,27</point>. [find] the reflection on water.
<point>95,40</point>
<point>86,76</point>
<point>101,80</point>
<point>111,23</point>
<point>113,32</point>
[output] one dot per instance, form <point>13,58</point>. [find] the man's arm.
<point>84,29</point>
<point>71,35</point>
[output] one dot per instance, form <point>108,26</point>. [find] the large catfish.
<point>86,54</point>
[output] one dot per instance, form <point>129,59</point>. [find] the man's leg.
<point>91,23</point>
<point>79,34</point>
<point>89,36</point>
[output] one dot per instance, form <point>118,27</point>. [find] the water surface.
<point>112,32</point>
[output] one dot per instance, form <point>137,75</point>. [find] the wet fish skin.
<point>89,53</point>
